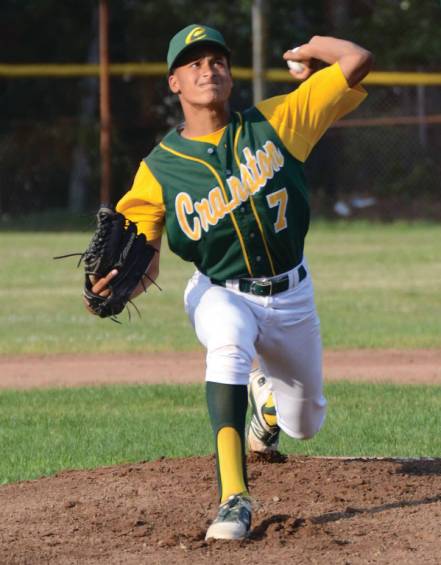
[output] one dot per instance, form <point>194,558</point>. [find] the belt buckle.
<point>261,284</point>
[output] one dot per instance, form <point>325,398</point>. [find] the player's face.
<point>203,78</point>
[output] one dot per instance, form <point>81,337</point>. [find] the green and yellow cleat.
<point>263,433</point>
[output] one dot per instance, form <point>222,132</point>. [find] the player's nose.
<point>208,67</point>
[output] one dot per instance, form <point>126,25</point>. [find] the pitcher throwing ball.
<point>230,191</point>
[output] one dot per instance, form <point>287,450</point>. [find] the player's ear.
<point>173,83</point>
<point>231,80</point>
<point>230,72</point>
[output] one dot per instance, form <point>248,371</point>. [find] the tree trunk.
<point>80,172</point>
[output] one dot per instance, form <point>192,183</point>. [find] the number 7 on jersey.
<point>280,199</point>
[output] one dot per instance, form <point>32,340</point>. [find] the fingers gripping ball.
<point>295,65</point>
<point>115,244</point>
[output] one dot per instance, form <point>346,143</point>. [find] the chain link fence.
<point>383,161</point>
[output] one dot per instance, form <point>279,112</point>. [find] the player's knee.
<point>307,421</point>
<point>315,418</point>
<point>229,363</point>
<point>241,355</point>
<point>307,432</point>
<point>310,433</point>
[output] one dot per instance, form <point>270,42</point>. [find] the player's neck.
<point>200,121</point>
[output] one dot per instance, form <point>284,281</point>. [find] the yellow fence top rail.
<point>160,69</point>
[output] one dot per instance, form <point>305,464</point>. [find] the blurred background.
<point>382,162</point>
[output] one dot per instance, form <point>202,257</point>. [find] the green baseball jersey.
<point>237,205</point>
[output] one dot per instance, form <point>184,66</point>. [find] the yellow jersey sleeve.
<point>144,203</point>
<point>301,117</point>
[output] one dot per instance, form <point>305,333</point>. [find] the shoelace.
<point>234,503</point>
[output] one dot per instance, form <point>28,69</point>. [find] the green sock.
<point>227,408</point>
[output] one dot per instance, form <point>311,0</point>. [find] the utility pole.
<point>105,117</point>
<point>259,49</point>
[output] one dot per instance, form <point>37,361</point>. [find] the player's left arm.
<point>100,286</point>
<point>152,272</point>
<point>143,205</point>
<point>354,61</point>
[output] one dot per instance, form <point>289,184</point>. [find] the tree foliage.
<point>41,129</point>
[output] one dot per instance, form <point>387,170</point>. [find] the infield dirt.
<point>306,510</point>
<point>322,511</point>
<point>414,366</point>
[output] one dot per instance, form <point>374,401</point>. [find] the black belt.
<point>265,287</point>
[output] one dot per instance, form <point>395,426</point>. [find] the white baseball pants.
<point>282,330</point>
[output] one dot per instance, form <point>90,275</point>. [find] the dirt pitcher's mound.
<point>307,510</point>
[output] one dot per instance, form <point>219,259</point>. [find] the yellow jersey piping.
<point>253,206</point>
<point>224,192</point>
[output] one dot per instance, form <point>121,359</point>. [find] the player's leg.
<point>227,328</point>
<point>297,384</point>
<point>227,407</point>
<point>226,325</point>
<point>290,353</point>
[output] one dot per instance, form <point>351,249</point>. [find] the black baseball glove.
<point>115,244</point>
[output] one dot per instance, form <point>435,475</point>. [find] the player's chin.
<point>214,96</point>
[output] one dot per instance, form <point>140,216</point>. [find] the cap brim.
<point>186,49</point>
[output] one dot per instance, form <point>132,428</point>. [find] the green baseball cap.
<point>189,37</point>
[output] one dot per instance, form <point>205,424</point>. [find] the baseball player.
<point>230,192</point>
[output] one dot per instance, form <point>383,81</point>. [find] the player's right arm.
<point>301,117</point>
<point>354,61</point>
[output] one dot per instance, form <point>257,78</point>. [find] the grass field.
<point>377,285</point>
<point>42,432</point>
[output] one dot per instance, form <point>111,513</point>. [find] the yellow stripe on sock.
<point>229,451</point>
<point>269,412</point>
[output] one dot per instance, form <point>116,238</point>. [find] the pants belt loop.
<point>296,276</point>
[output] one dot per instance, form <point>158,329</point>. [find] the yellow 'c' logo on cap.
<point>195,34</point>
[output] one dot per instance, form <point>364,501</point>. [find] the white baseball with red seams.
<point>295,65</point>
